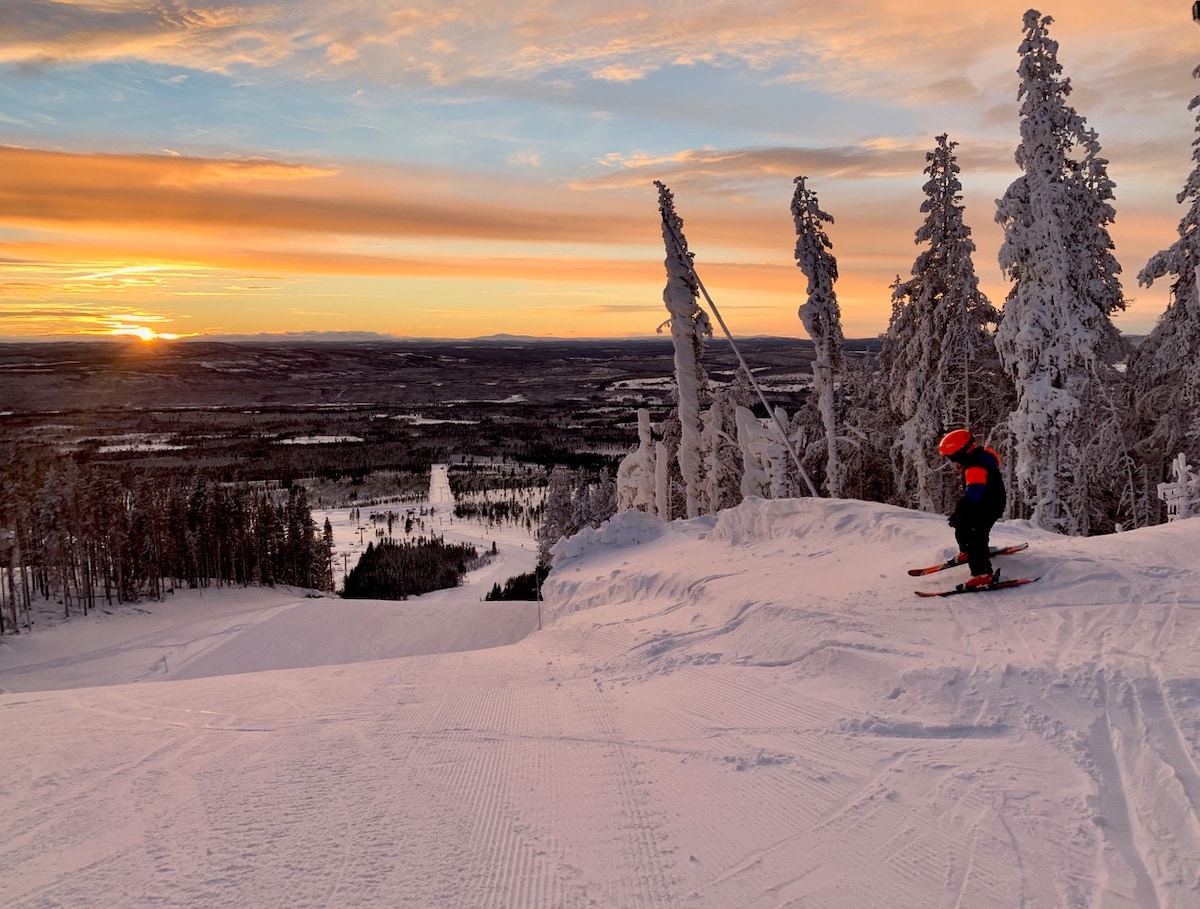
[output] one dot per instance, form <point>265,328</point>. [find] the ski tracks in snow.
<point>818,794</point>
<point>1121,698</point>
<point>1149,791</point>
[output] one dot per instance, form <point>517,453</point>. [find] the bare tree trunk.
<point>12,589</point>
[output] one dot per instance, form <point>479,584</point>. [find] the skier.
<point>982,502</point>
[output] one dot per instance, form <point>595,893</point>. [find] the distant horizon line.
<point>237,337</point>
<point>370,336</point>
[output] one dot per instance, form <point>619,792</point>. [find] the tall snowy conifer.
<point>821,317</point>
<point>635,474</point>
<point>937,347</point>
<point>557,513</point>
<point>689,327</point>
<point>1165,367</point>
<point>724,468</point>
<point>1055,338</point>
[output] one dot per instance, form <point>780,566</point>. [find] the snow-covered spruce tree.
<point>1055,339</point>
<point>635,473</point>
<point>766,460</point>
<point>689,327</point>
<point>580,504</point>
<point>754,442</point>
<point>662,479</point>
<point>821,317</point>
<point>573,502</point>
<point>670,490</point>
<point>1165,367</point>
<point>868,432</point>
<point>723,473</point>
<point>558,513</point>
<point>602,500</point>
<point>937,363</point>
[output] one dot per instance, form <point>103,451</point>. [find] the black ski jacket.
<point>983,495</point>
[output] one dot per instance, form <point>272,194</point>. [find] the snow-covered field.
<point>751,710</point>
<point>516,549</point>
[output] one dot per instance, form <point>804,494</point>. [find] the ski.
<point>955,562</point>
<point>963,588</point>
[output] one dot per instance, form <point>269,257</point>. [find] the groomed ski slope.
<point>751,710</point>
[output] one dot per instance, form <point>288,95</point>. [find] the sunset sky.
<point>431,169</point>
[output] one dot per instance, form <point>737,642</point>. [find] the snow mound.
<point>1096,666</point>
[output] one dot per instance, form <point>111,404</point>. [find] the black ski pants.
<point>974,538</point>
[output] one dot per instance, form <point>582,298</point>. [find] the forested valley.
<point>121,479</point>
<point>399,570</point>
<point>90,534</point>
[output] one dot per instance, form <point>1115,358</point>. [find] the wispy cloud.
<point>208,36</point>
<point>896,48</point>
<point>26,319</point>
<point>862,161</point>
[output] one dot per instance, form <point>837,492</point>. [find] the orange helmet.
<point>956,441</point>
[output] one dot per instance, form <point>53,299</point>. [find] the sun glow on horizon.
<point>141,332</point>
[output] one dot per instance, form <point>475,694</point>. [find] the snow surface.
<point>748,710</point>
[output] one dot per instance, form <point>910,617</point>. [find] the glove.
<point>963,515</point>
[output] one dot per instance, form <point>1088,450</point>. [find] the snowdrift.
<point>1095,668</point>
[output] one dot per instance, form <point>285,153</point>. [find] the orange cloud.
<point>38,169</point>
<point>166,229</point>
<point>40,189</point>
<point>118,211</point>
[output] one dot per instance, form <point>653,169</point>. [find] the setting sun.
<point>142,332</point>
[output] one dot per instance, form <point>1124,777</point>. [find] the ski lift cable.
<point>742,360</point>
